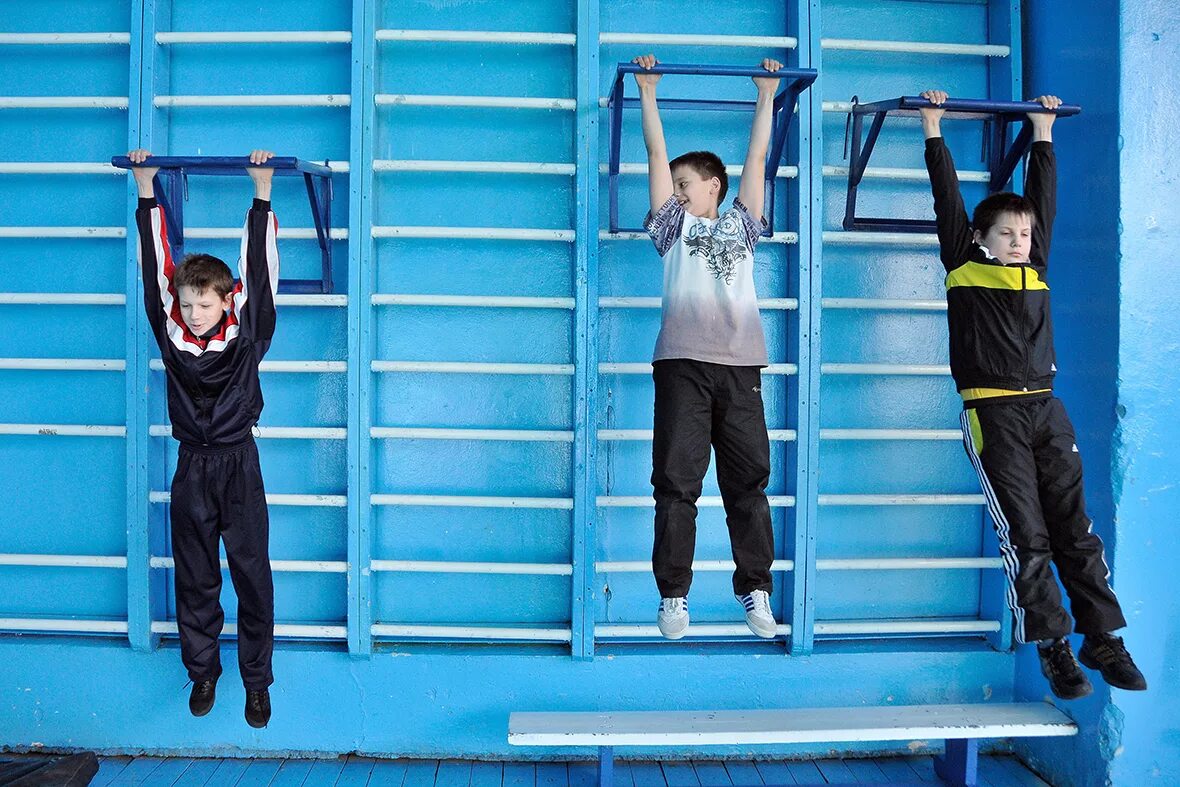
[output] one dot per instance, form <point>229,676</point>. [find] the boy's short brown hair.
<point>987,212</point>
<point>707,165</point>
<point>204,272</point>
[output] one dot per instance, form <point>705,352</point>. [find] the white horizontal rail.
<point>285,566</point>
<point>843,238</point>
<point>904,173</point>
<point>65,38</point>
<point>63,102</point>
<point>901,500</point>
<point>306,100</point>
<point>471,632</point>
<point>65,561</point>
<point>733,170</point>
<point>645,368</point>
<point>478,37</point>
<point>275,432</point>
<point>705,501</point>
<point>909,564</point>
<point>915,47</point>
<point>778,237</point>
<point>285,233</point>
<point>485,102</point>
<point>907,627</point>
<point>695,631</point>
<point>486,301</point>
<point>677,39</point>
<point>497,167</point>
<point>452,567</point>
<point>63,298</point>
<point>776,435</point>
<point>286,367</point>
<point>640,302</point>
<point>64,430</point>
<point>472,501</point>
<point>644,566</point>
<point>463,367</point>
<point>476,233</point>
<point>64,364</point>
<point>58,168</point>
<point>66,232</point>
<point>293,630</point>
<point>310,299</point>
<point>512,435</point>
<point>315,501</point>
<point>890,434</point>
<point>884,304</point>
<point>915,369</point>
<point>65,625</point>
<point>256,37</point>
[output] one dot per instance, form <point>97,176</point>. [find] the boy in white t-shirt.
<point>708,360</point>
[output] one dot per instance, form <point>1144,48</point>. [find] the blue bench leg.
<point>606,766</point>
<point>960,765</point>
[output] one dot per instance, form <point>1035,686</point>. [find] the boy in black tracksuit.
<point>1015,430</point>
<point>212,336</point>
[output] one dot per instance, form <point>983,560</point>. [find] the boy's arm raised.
<point>1040,185</point>
<point>752,192</point>
<point>258,266</point>
<point>153,250</point>
<point>659,175</point>
<point>954,229</point>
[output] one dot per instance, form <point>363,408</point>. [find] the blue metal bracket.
<point>795,80</point>
<point>959,766</point>
<point>1001,158</point>
<point>172,191</point>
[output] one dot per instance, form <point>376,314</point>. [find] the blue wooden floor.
<point>352,771</point>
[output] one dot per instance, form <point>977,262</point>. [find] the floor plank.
<point>420,773</point>
<point>520,774</point>
<point>487,774</point>
<point>865,771</point>
<point>198,773</point>
<point>387,773</point>
<point>680,774</point>
<point>260,773</point>
<point>108,769</point>
<point>712,774</point>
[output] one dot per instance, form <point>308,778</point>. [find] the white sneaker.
<point>673,617</point>
<point>758,615</point>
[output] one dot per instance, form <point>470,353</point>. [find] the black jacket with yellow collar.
<point>1001,331</point>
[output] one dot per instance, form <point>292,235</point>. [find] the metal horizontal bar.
<point>733,170</point>
<point>471,501</point>
<point>64,38</point>
<point>778,237</point>
<point>904,173</point>
<point>676,39</point>
<point>286,367</point>
<point>488,301</point>
<point>494,102</point>
<point>478,37</point>
<point>907,627</point>
<point>915,47</point>
<point>58,168</point>
<point>776,435</point>
<point>695,631</point>
<point>308,100</point>
<point>909,563</point>
<point>890,434</point>
<point>645,368</point>
<point>275,432</point>
<point>901,500</point>
<point>705,501</point>
<point>66,232</point>
<point>884,304</point>
<point>463,367</point>
<point>256,37</point>
<point>422,433</point>
<point>63,298</point>
<point>64,364</point>
<point>63,102</point>
<point>477,233</point>
<point>496,167</point>
<point>315,501</point>
<point>885,369</point>
<point>450,567</point>
<point>293,630</point>
<point>65,625</point>
<point>644,566</point>
<point>613,302</point>
<point>64,430</point>
<point>471,632</point>
<point>285,566</point>
<point>843,238</point>
<point>284,233</point>
<point>65,561</point>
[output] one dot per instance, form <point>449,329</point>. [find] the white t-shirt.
<point>710,310</point>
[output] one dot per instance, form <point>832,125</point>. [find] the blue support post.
<point>361,273</point>
<point>606,762</point>
<point>584,543</point>
<point>959,765</point>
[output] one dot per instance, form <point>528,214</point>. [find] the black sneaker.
<point>204,692</point>
<point>258,708</point>
<point>1066,678</point>
<point>1107,654</point>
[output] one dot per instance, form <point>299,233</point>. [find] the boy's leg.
<point>743,471</point>
<point>1077,552</point>
<point>680,457</point>
<point>199,616</point>
<point>246,531</point>
<point>999,439</point>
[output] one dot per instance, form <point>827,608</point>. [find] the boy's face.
<point>1009,239</point>
<point>697,194</point>
<point>202,309</point>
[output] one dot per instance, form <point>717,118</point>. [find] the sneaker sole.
<point>1089,663</point>
<point>257,726</point>
<point>673,634</point>
<point>761,632</point>
<point>1086,690</point>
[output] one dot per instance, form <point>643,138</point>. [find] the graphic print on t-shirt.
<point>722,245</point>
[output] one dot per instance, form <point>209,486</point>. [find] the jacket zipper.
<point>1023,318</point>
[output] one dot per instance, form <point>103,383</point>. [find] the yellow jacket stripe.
<point>994,277</point>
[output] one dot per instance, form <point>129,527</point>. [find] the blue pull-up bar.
<point>796,81</point>
<point>171,191</point>
<point>998,115</point>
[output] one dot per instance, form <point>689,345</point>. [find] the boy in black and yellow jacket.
<point>1016,431</point>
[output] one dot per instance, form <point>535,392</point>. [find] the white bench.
<point>961,726</point>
